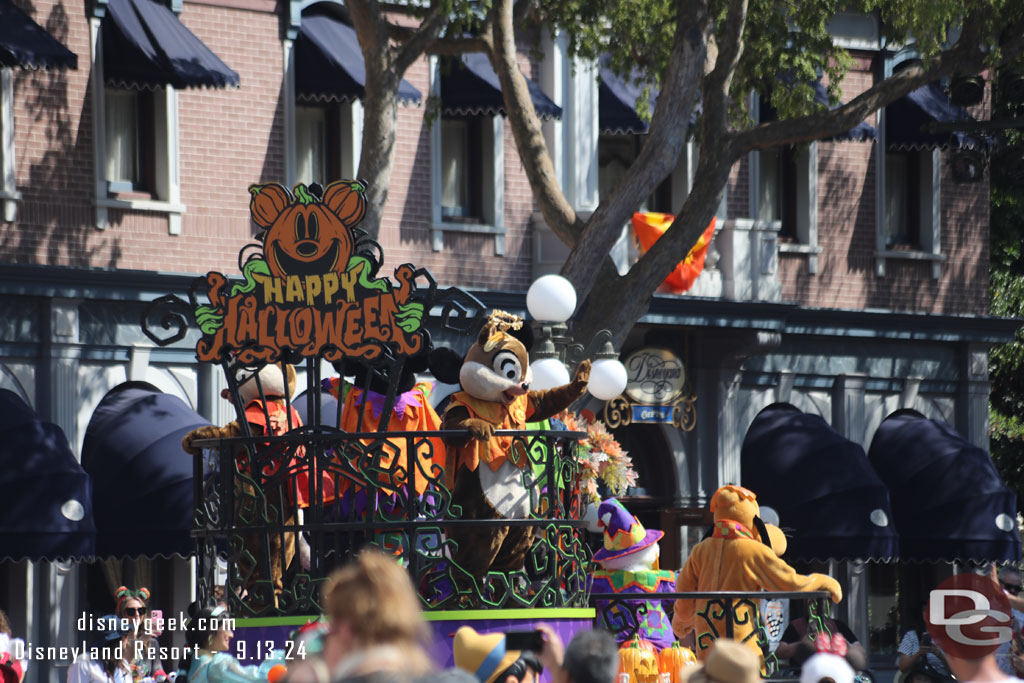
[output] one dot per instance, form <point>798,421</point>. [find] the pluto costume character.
<point>736,558</point>
<point>488,470</point>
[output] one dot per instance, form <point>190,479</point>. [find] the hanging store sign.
<point>654,376</point>
<point>656,391</point>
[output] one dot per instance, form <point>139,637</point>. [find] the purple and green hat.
<point>623,533</point>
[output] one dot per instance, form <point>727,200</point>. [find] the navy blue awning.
<point>141,476</point>
<point>25,43</point>
<point>329,64</point>
<point>821,484</point>
<point>617,98</point>
<point>905,117</point>
<point>616,103</point>
<point>859,133</point>
<point>470,87</point>
<point>47,511</point>
<point>145,45</point>
<point>948,502</point>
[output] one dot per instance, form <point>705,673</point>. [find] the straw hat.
<point>728,662</point>
<point>483,654</point>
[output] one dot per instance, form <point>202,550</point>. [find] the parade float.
<point>283,497</point>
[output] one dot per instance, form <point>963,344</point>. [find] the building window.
<point>617,152</point>
<point>137,166</point>
<point>778,180</point>
<point>903,200</point>
<point>318,144</point>
<point>461,172</point>
<point>9,195</point>
<point>468,178</point>
<point>128,153</point>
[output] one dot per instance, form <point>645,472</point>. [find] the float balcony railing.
<point>274,515</point>
<point>722,612</point>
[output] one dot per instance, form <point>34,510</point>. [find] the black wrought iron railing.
<point>276,514</point>
<point>719,614</point>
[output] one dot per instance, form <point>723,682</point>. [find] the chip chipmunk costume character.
<point>487,469</point>
<point>737,557</point>
<point>629,564</point>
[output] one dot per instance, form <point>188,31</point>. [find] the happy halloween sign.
<point>313,287</point>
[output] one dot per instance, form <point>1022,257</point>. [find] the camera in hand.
<point>532,641</point>
<point>926,640</point>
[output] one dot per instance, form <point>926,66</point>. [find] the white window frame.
<point>165,140</point>
<point>806,242</point>
<point>930,212</point>
<point>9,195</point>
<point>493,169</point>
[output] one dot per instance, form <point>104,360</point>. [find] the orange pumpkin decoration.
<point>639,659</point>
<point>306,235</point>
<point>672,659</point>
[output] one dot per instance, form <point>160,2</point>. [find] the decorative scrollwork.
<point>461,312</point>
<point>684,414</point>
<point>174,316</point>
<point>618,412</point>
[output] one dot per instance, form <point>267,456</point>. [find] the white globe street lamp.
<point>607,379</point>
<point>548,373</point>
<point>551,299</point>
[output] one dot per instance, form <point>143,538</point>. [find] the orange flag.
<point>651,226</point>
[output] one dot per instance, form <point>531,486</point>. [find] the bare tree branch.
<point>526,128</point>
<point>428,31</point>
<point>963,58</point>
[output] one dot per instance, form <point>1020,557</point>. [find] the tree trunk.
<point>665,141</point>
<point>380,111</point>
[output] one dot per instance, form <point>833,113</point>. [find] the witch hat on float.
<point>623,533</point>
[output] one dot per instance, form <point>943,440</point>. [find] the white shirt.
<point>85,670</point>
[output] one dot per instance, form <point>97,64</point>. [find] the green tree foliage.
<point>1006,362</point>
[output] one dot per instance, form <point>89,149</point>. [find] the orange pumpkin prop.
<point>638,658</point>
<point>672,659</point>
<point>306,235</point>
<point>651,226</point>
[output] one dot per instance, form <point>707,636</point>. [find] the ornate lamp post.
<point>551,301</point>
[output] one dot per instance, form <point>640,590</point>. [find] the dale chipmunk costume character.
<point>629,564</point>
<point>267,416</point>
<point>737,558</point>
<point>487,469</point>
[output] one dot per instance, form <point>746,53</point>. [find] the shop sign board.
<point>654,376</point>
<point>656,391</point>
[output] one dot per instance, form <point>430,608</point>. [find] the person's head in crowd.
<point>1009,579</point>
<point>727,662</point>
<point>132,604</point>
<point>208,629</point>
<point>591,657</point>
<point>5,625</point>
<point>371,603</point>
<point>112,644</point>
<point>485,656</point>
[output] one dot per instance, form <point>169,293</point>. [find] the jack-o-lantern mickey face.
<point>306,235</point>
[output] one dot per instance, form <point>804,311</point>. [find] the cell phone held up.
<point>532,641</point>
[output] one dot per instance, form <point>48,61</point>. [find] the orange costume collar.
<point>496,451</point>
